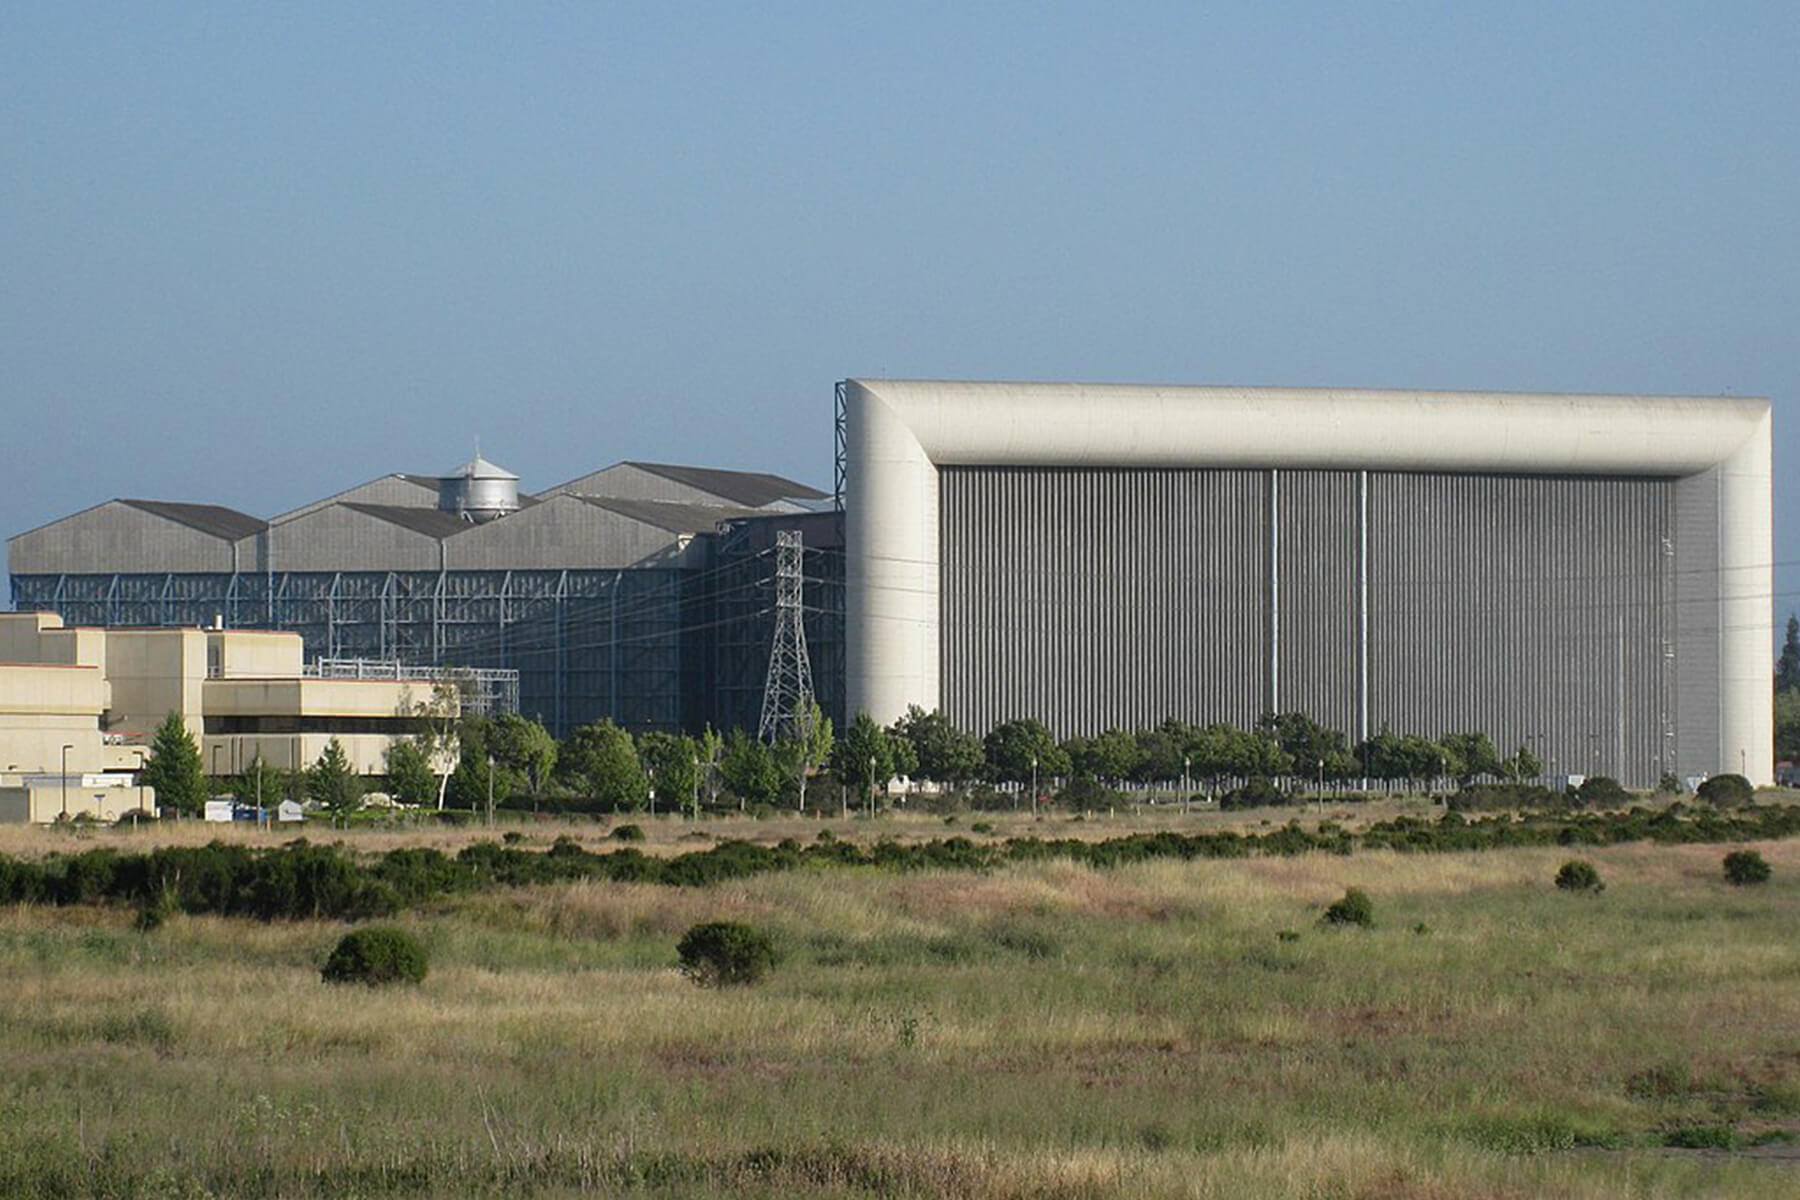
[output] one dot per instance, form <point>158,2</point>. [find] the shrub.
<point>1745,867</point>
<point>1670,785</point>
<point>1579,875</point>
<point>628,833</point>
<point>1486,797</point>
<point>1727,791</point>
<point>1255,793</point>
<point>376,956</point>
<point>1354,909</point>
<point>725,953</point>
<point>1084,793</point>
<point>1601,791</point>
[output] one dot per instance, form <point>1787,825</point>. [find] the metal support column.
<point>559,667</point>
<point>1274,691</point>
<point>1362,606</point>
<point>331,615</point>
<point>841,447</point>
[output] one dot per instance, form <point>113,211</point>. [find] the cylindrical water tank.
<point>479,491</point>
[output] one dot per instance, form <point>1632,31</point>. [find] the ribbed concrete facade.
<point>1589,575</point>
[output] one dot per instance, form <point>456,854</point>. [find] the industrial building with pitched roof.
<point>630,592</point>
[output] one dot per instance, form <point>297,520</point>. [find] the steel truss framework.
<point>586,644</point>
<point>651,648</point>
<point>744,626</point>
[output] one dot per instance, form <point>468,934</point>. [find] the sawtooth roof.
<point>211,519</point>
<point>670,515</point>
<point>752,489</point>
<point>429,521</point>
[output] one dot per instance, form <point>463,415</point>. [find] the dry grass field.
<point>666,834</point>
<point>1165,1029</point>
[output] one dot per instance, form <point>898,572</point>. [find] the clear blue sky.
<point>252,254</point>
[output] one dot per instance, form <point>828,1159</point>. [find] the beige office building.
<point>80,706</point>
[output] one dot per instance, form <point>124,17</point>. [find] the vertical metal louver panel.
<point>1535,609</point>
<point>1098,598</point>
<point>1318,588</point>
<point>1529,608</point>
<point>1694,651</point>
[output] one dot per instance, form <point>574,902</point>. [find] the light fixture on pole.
<point>65,780</point>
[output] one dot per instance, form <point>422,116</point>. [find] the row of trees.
<point>603,767</point>
<point>514,760</point>
<point>175,770</point>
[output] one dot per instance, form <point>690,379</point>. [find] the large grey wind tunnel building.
<point>1587,575</point>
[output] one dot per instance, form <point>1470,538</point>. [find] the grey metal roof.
<point>428,521</point>
<point>668,514</point>
<point>752,489</point>
<point>382,486</point>
<point>480,468</point>
<point>212,519</point>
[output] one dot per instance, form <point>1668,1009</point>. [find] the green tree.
<point>438,722</point>
<point>749,770</point>
<point>174,769</point>
<point>1391,756</point>
<point>469,784</point>
<point>906,759</point>
<point>1787,667</point>
<point>1787,726</point>
<point>1311,749</point>
<point>1211,752</point>
<point>943,753</point>
<point>410,779</point>
<point>332,783</point>
<point>1470,756</point>
<point>801,759</point>
<point>863,758</point>
<point>712,747</point>
<point>673,761</point>
<point>1160,752</point>
<point>601,762</point>
<point>476,774</point>
<point>523,747</point>
<point>1114,755</point>
<point>1522,765</point>
<point>261,783</point>
<point>1011,747</point>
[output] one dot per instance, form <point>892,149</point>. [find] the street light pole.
<point>1034,785</point>
<point>65,780</point>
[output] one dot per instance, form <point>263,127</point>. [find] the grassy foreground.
<point>1042,1030</point>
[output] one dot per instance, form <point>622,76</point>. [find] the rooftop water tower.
<point>479,491</point>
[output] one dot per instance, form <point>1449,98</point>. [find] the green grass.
<point>1041,1030</point>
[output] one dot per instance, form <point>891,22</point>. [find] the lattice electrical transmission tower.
<point>787,709</point>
